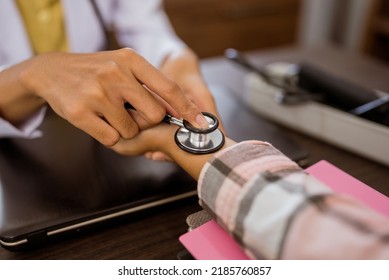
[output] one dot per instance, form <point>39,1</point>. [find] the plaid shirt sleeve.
<point>275,210</point>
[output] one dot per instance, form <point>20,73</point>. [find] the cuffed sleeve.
<point>3,67</point>
<point>275,210</point>
<point>28,129</point>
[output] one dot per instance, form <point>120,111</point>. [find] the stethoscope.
<point>195,140</point>
<point>192,139</point>
<point>288,93</point>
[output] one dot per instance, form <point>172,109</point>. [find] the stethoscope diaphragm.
<point>195,140</point>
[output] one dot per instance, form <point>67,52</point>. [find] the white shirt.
<point>140,24</point>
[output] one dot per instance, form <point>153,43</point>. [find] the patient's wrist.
<point>165,140</point>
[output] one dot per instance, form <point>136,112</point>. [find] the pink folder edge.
<point>343,183</point>
<point>210,242</point>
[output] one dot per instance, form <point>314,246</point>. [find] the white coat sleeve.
<point>28,129</point>
<point>144,26</point>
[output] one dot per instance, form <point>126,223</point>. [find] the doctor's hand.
<point>184,69</point>
<point>89,90</point>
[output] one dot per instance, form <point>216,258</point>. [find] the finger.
<point>159,156</point>
<point>148,108</point>
<point>169,109</point>
<point>139,119</point>
<point>128,147</point>
<point>203,98</point>
<point>165,88</point>
<point>118,117</point>
<point>148,155</point>
<point>109,105</point>
<point>99,129</point>
<point>172,94</point>
<point>209,105</point>
<point>118,87</point>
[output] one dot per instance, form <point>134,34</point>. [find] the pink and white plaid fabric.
<point>277,211</point>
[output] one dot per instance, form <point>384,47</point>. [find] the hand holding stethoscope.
<point>192,139</point>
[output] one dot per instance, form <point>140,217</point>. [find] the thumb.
<point>191,113</point>
<point>158,156</point>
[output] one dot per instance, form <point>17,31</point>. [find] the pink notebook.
<point>211,242</point>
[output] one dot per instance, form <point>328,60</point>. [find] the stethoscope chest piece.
<point>192,139</point>
<point>200,141</point>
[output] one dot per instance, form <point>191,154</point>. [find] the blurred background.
<point>211,26</point>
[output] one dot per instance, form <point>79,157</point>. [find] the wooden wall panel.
<point>211,26</point>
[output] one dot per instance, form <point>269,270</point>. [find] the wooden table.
<point>154,234</point>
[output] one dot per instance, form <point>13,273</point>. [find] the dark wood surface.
<point>154,235</point>
<point>150,236</point>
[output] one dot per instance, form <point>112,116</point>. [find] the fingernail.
<point>158,158</point>
<point>201,121</point>
<point>149,155</point>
